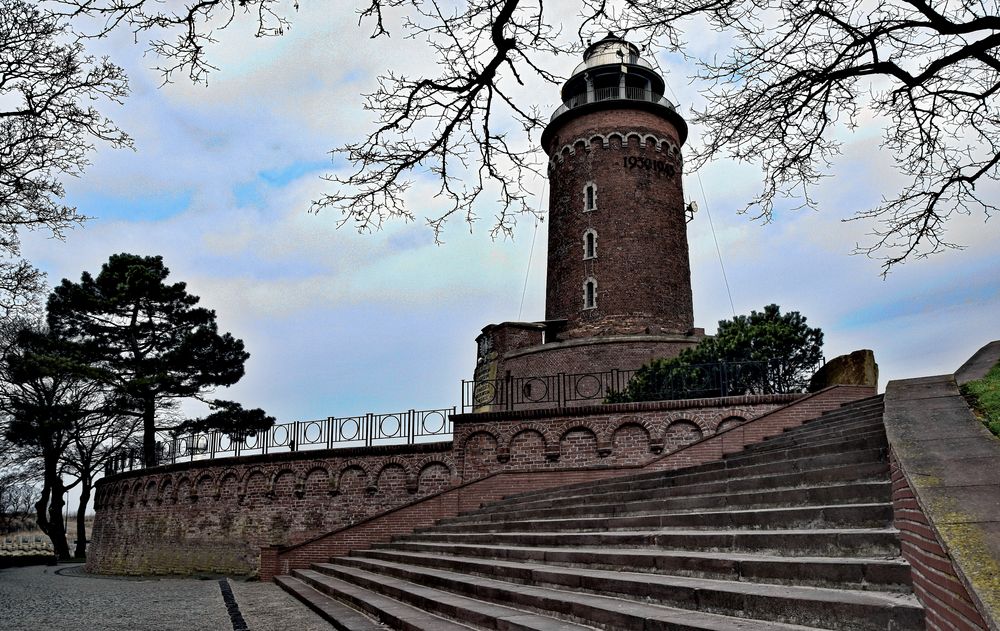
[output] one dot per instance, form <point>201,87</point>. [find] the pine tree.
<point>145,337</point>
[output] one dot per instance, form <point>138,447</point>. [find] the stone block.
<point>856,369</point>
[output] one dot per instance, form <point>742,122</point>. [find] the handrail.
<point>367,430</point>
<point>614,93</point>
<point>608,59</point>
<point>565,390</point>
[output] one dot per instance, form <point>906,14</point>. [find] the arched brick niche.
<point>214,516</point>
<point>596,435</point>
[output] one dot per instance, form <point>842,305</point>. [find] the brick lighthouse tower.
<point>618,283</point>
<point>618,253</point>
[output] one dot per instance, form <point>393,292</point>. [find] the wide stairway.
<point>792,533</point>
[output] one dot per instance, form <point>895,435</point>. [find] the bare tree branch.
<point>798,72</point>
<point>48,126</point>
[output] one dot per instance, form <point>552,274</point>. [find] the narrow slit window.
<point>590,294</point>
<point>590,197</point>
<point>590,245</point>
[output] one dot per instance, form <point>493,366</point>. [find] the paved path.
<point>63,598</point>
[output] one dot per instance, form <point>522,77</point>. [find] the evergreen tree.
<point>145,337</point>
<point>765,352</point>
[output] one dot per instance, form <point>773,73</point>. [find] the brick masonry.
<point>214,516</point>
<point>633,160</point>
<point>226,515</point>
<point>595,435</point>
<point>935,581</point>
<point>584,356</point>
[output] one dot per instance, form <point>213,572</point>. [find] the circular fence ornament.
<point>588,387</point>
<point>350,430</point>
<point>535,390</point>
<point>432,423</point>
<point>312,433</point>
<point>389,427</point>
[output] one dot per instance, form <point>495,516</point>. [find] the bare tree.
<point>43,406</point>
<point>95,440</point>
<point>18,485</point>
<point>927,69</point>
<point>48,124</point>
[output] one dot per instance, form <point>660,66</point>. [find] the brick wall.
<point>214,516</point>
<point>594,435</point>
<point>418,514</point>
<point>935,582</point>
<point>581,357</point>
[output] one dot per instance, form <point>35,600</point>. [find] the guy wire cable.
<point>711,224</point>
<point>531,251</point>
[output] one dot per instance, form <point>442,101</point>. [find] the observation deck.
<point>613,75</point>
<point>615,93</point>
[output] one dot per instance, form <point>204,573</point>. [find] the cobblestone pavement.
<point>41,598</point>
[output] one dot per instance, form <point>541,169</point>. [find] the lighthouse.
<point>618,252</point>
<point>618,277</point>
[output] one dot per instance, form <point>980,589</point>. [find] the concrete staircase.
<point>791,533</point>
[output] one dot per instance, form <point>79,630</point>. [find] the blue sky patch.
<point>133,208</point>
<point>251,193</point>
<point>936,298</point>
<point>292,172</point>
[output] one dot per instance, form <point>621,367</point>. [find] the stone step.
<point>854,610</point>
<point>859,437</point>
<point>866,446</point>
<point>870,515</point>
<point>641,502</point>
<point>745,470</point>
<point>872,439</point>
<point>339,615</point>
<point>832,572</point>
<point>852,410</point>
<point>403,605</point>
<point>815,436</point>
<point>415,613</point>
<point>675,488</point>
<point>832,542</point>
<point>612,614</point>
<point>860,406</point>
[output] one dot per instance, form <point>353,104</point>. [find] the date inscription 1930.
<point>657,166</point>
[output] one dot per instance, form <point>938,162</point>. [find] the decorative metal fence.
<point>613,93</point>
<point>687,382</point>
<point>395,428</point>
<point>560,390</point>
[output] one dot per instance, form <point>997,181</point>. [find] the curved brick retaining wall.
<point>215,515</point>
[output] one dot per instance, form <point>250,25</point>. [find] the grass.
<point>984,397</point>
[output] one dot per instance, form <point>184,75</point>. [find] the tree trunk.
<point>81,518</point>
<point>48,509</point>
<point>149,454</point>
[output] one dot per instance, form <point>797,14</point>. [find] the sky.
<point>340,323</point>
